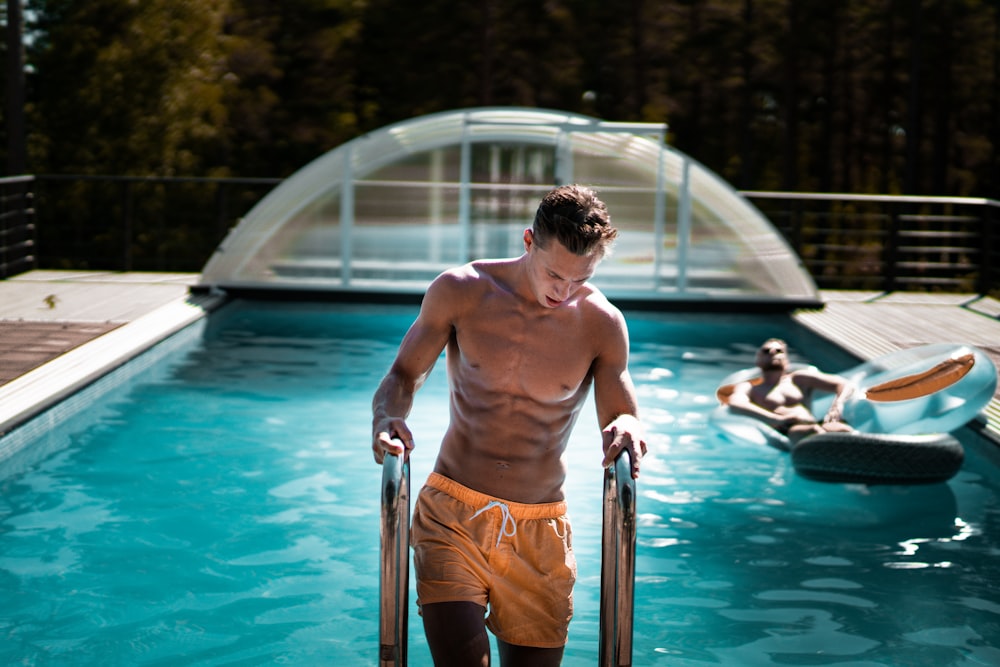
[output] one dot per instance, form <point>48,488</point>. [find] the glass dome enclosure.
<point>388,211</point>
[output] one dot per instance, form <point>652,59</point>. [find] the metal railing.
<point>890,243</point>
<point>131,223</point>
<point>17,226</point>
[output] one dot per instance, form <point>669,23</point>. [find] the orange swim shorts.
<point>514,559</point>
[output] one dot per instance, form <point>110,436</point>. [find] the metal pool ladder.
<point>394,583</point>
<point>618,563</point>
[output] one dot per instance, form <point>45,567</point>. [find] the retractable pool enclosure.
<point>388,211</point>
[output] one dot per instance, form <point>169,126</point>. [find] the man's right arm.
<point>420,349</point>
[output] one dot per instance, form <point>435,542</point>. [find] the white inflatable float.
<point>903,407</point>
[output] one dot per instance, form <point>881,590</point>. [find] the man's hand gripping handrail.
<point>618,563</point>
<point>394,583</point>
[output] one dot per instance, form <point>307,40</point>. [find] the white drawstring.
<point>508,519</point>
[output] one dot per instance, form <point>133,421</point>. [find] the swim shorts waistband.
<point>476,499</point>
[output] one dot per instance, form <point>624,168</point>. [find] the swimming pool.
<point>217,504</point>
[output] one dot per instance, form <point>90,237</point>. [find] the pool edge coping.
<point>34,392</point>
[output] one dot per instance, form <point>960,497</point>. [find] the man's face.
<point>772,355</point>
<point>556,273</point>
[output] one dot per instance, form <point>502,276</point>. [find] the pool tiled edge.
<point>32,393</point>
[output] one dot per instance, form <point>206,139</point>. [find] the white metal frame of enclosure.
<point>563,174</point>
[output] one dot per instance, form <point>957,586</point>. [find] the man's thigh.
<point>456,633</point>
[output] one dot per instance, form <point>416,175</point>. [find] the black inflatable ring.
<point>869,458</point>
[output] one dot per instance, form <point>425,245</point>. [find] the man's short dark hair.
<point>574,216</point>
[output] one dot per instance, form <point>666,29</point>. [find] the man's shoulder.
<point>461,283</point>
<point>597,303</point>
<point>808,376</point>
<point>469,275</point>
<point>601,318</point>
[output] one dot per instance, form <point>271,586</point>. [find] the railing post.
<point>221,210</point>
<point>890,252</point>
<point>990,253</point>
<point>795,224</point>
<point>127,203</point>
<point>618,564</point>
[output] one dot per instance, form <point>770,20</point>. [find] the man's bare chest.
<point>784,393</point>
<point>537,361</point>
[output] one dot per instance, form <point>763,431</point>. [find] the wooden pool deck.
<point>59,329</point>
<point>869,324</point>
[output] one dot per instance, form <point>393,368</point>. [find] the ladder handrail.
<point>394,582</point>
<point>618,538</point>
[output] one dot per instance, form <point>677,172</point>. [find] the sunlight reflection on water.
<point>222,507</point>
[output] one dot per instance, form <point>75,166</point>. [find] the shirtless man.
<point>782,398</point>
<point>525,339</point>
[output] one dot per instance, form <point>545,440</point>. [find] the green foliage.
<point>128,88</point>
<point>855,96</point>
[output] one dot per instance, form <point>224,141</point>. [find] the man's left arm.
<point>614,395</point>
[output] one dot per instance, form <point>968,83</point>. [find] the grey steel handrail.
<point>394,583</point>
<point>618,563</point>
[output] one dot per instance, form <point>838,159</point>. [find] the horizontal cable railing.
<point>132,223</point>
<point>17,226</point>
<point>890,243</point>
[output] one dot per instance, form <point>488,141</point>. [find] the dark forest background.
<point>861,96</point>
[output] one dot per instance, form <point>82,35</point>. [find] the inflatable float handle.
<point>941,376</point>
<point>618,563</point>
<point>394,582</point>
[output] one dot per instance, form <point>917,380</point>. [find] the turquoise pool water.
<point>217,505</point>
